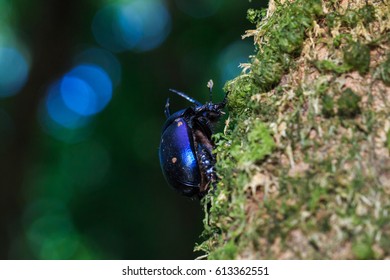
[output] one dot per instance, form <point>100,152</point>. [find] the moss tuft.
<point>357,55</point>
<point>267,69</point>
<point>284,41</point>
<point>227,252</point>
<point>254,16</point>
<point>332,19</point>
<point>363,250</point>
<point>384,71</point>
<point>256,146</point>
<point>367,14</point>
<point>348,104</point>
<point>350,18</point>
<point>330,66</point>
<point>327,106</point>
<point>240,91</point>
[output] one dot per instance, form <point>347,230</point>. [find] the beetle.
<point>186,148</point>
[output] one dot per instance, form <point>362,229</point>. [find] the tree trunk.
<point>304,161</point>
<point>51,41</point>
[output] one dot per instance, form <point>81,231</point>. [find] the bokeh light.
<point>86,89</point>
<point>140,25</point>
<point>14,69</point>
<point>199,8</point>
<point>231,57</point>
<point>102,58</point>
<point>59,121</point>
<point>59,112</point>
<point>51,233</point>
<point>72,101</point>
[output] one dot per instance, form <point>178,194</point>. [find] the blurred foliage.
<point>92,188</point>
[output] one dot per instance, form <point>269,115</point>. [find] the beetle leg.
<point>167,111</point>
<point>224,101</point>
<point>207,163</point>
<point>222,105</point>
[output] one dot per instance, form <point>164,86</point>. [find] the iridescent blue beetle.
<point>186,148</point>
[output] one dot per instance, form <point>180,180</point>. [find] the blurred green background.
<point>83,85</point>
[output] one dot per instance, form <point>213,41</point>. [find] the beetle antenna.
<point>185,96</point>
<point>210,85</point>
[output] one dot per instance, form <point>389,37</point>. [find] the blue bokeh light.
<point>61,133</point>
<point>86,89</point>
<point>14,69</point>
<point>59,121</point>
<point>104,59</point>
<point>141,25</point>
<point>130,26</point>
<point>72,101</point>
<point>78,95</point>
<point>59,112</point>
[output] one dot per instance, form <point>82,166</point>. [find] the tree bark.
<point>51,41</point>
<point>304,161</point>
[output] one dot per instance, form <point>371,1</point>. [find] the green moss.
<point>267,69</point>
<point>350,18</point>
<point>240,91</point>
<point>330,66</point>
<point>331,19</point>
<point>266,110</point>
<point>254,16</point>
<point>367,14</point>
<point>227,252</point>
<point>348,104</point>
<point>357,55</point>
<point>384,71</point>
<point>291,38</point>
<point>283,41</point>
<point>327,106</point>
<point>313,7</point>
<point>248,141</point>
<point>255,147</point>
<point>363,250</point>
<point>292,178</point>
<point>321,87</point>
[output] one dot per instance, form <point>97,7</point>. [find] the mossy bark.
<point>304,160</point>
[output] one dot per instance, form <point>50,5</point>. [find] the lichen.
<point>303,162</point>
